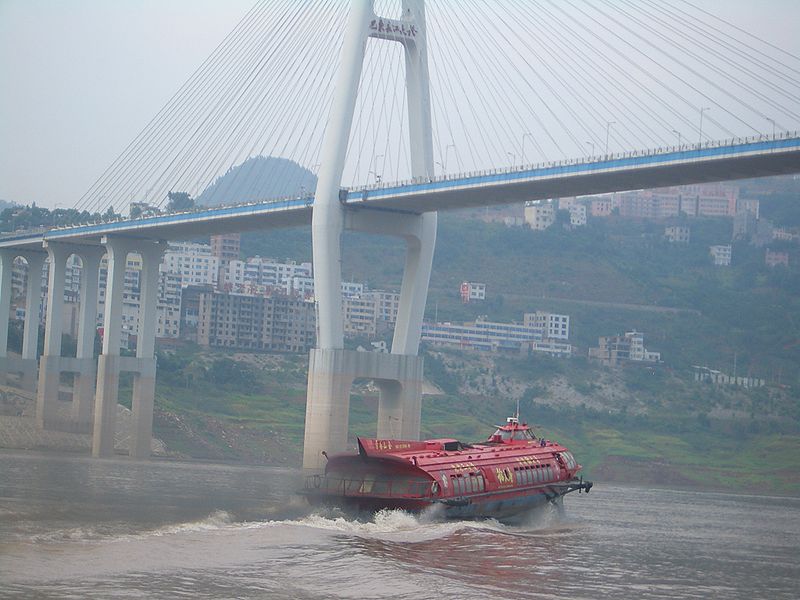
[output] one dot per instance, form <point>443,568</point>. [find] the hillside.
<point>612,276</point>
<point>634,425</point>
<point>259,178</point>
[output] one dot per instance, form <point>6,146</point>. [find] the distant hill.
<point>4,204</point>
<point>259,178</point>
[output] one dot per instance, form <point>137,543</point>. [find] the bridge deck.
<point>752,158</point>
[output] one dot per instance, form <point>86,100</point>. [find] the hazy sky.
<point>80,78</point>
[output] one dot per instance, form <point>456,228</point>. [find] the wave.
<point>390,524</point>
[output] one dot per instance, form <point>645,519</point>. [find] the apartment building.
<point>263,273</point>
<point>721,255</point>
<point>472,292</point>
<point>492,337</point>
<point>775,259</point>
<point>552,326</point>
<point>192,263</point>
<point>618,348</point>
<point>677,234</point>
<point>249,322</point>
<point>540,214</point>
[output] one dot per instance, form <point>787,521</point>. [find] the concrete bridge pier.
<point>6,268</point>
<point>29,366</point>
<point>86,373</point>
<point>26,364</point>
<point>144,382</point>
<point>50,364</point>
<point>331,368</point>
<point>110,364</point>
<point>331,374</point>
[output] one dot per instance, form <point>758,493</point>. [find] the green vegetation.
<point>14,218</point>
<point>612,276</point>
<point>638,424</point>
<point>653,428</point>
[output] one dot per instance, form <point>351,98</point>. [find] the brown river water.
<point>72,527</point>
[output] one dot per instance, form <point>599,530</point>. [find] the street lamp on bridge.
<point>524,135</point>
<point>702,110</point>
<point>773,125</point>
<point>608,130</point>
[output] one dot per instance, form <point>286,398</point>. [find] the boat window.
<point>528,476</point>
<point>366,485</point>
<point>503,434</point>
<point>381,486</point>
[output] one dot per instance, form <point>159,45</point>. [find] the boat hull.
<point>500,506</point>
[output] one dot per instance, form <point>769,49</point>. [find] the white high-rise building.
<point>551,325</point>
<point>192,263</point>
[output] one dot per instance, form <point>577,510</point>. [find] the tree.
<point>179,202</point>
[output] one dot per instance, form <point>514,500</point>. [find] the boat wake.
<point>427,525</point>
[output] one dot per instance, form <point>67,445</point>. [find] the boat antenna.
<point>517,415</point>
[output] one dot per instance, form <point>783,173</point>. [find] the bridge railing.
<point>308,200</point>
<point>583,160</point>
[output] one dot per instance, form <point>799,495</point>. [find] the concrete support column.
<point>86,379</point>
<point>50,363</point>
<point>108,363</point>
<point>328,217</point>
<point>33,303</point>
<point>6,267</point>
<point>327,406</point>
<point>330,376</point>
<point>399,408</point>
<point>414,289</point>
<point>144,383</point>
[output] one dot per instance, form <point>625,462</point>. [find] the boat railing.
<point>365,486</point>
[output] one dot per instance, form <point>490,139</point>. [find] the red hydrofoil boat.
<point>508,474</point>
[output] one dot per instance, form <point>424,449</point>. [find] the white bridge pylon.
<point>332,369</point>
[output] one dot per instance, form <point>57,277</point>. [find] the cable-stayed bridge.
<point>399,90</point>
<point>739,159</point>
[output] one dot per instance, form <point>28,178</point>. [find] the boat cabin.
<point>513,431</point>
